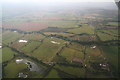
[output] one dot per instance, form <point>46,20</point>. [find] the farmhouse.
<point>25,41</point>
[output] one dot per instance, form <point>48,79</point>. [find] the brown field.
<point>83,38</point>
<point>28,26</point>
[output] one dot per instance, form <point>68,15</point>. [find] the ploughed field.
<point>59,44</point>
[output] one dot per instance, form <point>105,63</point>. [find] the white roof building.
<point>19,61</point>
<point>93,47</point>
<point>55,42</point>
<point>0,46</point>
<point>25,41</point>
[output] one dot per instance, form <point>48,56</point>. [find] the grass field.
<point>112,32</point>
<point>113,23</point>
<point>76,46</point>
<point>30,47</point>
<point>84,29</point>
<point>7,54</point>
<point>79,72</point>
<point>47,50</point>
<point>9,37</point>
<point>53,74</point>
<point>71,54</point>
<point>55,33</point>
<point>37,37</point>
<point>105,37</point>
<point>0,55</point>
<point>111,52</point>
<point>12,69</point>
<point>83,38</point>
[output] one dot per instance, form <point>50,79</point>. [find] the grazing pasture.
<point>78,72</point>
<point>84,29</point>
<point>7,54</point>
<point>72,54</point>
<point>47,49</point>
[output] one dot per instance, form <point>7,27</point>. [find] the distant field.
<point>112,32</point>
<point>26,26</point>
<point>55,33</point>
<point>84,29</point>
<point>29,37</point>
<point>83,38</point>
<point>113,23</point>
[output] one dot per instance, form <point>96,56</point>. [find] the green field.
<point>9,37</point>
<point>30,47</point>
<point>71,54</point>
<point>79,72</point>
<point>12,69</point>
<point>48,50</point>
<point>111,52</point>
<point>7,54</point>
<point>105,37</point>
<point>84,29</point>
<point>53,74</point>
<point>113,23</point>
<point>33,36</point>
<point>65,40</point>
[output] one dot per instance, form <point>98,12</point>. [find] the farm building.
<point>25,41</point>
